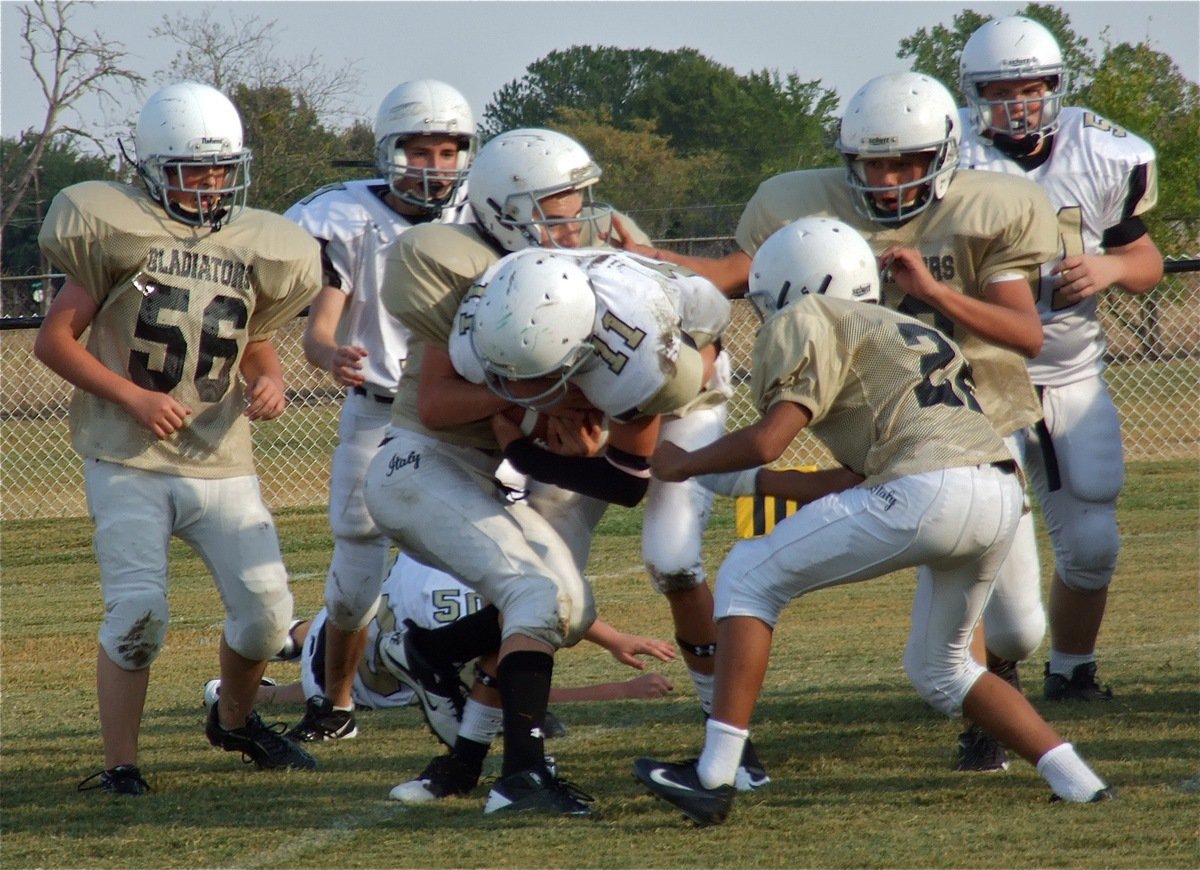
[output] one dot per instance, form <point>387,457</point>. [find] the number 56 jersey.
<point>889,396</point>
<point>652,320</point>
<point>177,307</point>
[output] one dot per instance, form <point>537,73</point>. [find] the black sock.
<point>461,640</point>
<point>524,678</point>
<point>470,753</point>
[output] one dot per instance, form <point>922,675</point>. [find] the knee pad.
<point>942,685</point>
<point>535,608</point>
<point>1087,547</point>
<point>355,578</point>
<point>260,636</point>
<point>133,630</point>
<point>1014,619</point>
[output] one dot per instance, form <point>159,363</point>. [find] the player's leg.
<point>130,510</point>
<point>356,571</point>
<point>1081,443</point>
<point>258,608</point>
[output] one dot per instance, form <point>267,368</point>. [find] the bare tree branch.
<point>67,67</point>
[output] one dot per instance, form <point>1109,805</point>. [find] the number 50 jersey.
<point>652,319</point>
<point>178,305</point>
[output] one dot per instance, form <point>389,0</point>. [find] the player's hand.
<point>647,687</point>
<point>910,273</point>
<point>265,399</point>
<point>627,648</point>
<point>1083,275</point>
<point>625,243</point>
<point>576,437</point>
<point>667,463</point>
<point>505,430</point>
<point>161,413</point>
<point>347,366</point>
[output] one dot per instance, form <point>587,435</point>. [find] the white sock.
<point>704,689</point>
<point>349,709</point>
<point>1064,664</point>
<point>722,753</point>
<point>1068,774</point>
<point>480,722</point>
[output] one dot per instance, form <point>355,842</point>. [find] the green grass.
<point>860,765</point>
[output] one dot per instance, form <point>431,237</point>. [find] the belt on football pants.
<point>382,398</point>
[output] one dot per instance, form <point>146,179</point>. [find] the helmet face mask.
<point>895,117</point>
<point>1013,50</point>
<point>812,256</point>
<point>533,321</point>
<point>519,184</point>
<point>189,154</point>
<point>423,108</point>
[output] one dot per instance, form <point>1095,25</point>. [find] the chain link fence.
<point>1154,372</point>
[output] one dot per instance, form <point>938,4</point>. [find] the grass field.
<point>860,765</point>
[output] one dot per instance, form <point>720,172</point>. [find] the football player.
<point>925,480</point>
<point>432,598</point>
<point>430,487</point>
<point>961,251</point>
<point>425,139</point>
<point>1101,179</point>
<point>182,287</point>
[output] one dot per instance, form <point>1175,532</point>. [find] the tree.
<point>757,124</point>
<point>289,107</point>
<point>642,175</point>
<point>936,52</point>
<point>67,67</point>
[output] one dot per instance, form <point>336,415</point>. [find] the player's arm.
<point>645,686</point>
<point>760,443</point>
<point>731,273</point>
<point>1136,267</point>
<point>57,345</point>
<point>1006,315</point>
<point>445,398</point>
<point>265,390</point>
<point>320,342</point>
<point>626,648</point>
<point>620,476</point>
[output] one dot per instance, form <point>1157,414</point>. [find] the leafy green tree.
<point>1144,90</point>
<point>642,175</point>
<point>61,165</point>
<point>757,124</point>
<point>936,51</point>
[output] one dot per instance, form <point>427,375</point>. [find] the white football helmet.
<point>812,255</point>
<point>188,126</point>
<point>1008,49</point>
<point>517,169</point>
<point>893,115</point>
<point>425,107</point>
<point>534,319</point>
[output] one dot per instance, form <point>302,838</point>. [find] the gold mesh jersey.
<point>889,396</point>
<point>428,272</point>
<point>986,225</point>
<point>178,305</point>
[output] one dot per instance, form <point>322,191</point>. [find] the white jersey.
<point>412,590</point>
<point>356,226</point>
<point>1097,176</point>
<point>651,318</point>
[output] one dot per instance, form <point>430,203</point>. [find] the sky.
<point>481,46</point>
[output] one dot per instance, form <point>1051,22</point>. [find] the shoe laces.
<point>109,780</point>
<point>268,738</point>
